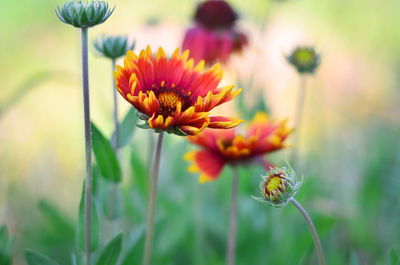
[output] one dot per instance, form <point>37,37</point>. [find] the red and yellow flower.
<point>172,94</point>
<point>223,147</point>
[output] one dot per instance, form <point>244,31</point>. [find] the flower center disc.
<point>273,184</point>
<point>168,102</point>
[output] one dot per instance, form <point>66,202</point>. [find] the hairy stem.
<point>113,186</point>
<point>116,123</point>
<point>152,202</point>
<point>317,242</point>
<point>88,146</point>
<point>231,248</point>
<point>298,116</point>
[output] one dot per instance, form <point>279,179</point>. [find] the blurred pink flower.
<point>214,36</point>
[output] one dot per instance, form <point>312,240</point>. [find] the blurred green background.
<point>350,148</point>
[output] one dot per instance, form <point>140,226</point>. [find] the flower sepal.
<point>278,186</point>
<point>113,47</point>
<point>144,125</point>
<point>176,130</point>
<point>142,116</point>
<point>84,14</point>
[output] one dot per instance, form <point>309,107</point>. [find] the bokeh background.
<point>349,150</point>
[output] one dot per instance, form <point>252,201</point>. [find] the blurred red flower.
<point>221,147</point>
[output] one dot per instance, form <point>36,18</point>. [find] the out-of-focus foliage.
<point>349,151</point>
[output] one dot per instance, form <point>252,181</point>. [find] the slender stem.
<point>88,146</point>
<point>314,233</point>
<point>150,154</point>
<point>152,202</point>
<point>298,116</point>
<point>198,225</point>
<point>113,186</point>
<point>116,123</point>
<point>231,248</point>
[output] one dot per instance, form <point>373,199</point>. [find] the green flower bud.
<point>113,47</point>
<point>278,186</point>
<point>304,59</point>
<point>84,14</point>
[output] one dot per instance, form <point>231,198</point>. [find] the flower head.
<point>173,95</point>
<point>84,14</point>
<point>211,46</point>
<point>222,147</point>
<point>113,47</point>
<point>215,14</point>
<point>278,186</point>
<point>305,59</point>
<point>214,37</point>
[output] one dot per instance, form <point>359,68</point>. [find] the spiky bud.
<point>113,47</point>
<point>84,14</point>
<point>278,186</point>
<point>305,59</point>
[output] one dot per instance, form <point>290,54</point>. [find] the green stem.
<point>113,186</point>
<point>152,202</point>
<point>314,233</point>
<point>116,123</point>
<point>198,225</point>
<point>231,248</point>
<point>298,116</point>
<point>88,146</point>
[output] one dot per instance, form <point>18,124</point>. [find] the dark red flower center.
<point>215,14</point>
<point>169,97</point>
<point>168,101</point>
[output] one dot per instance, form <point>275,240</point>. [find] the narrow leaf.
<point>139,171</point>
<point>126,128</point>
<point>110,254</point>
<point>81,224</point>
<point>35,258</point>
<point>105,156</point>
<point>3,237</point>
<point>394,258</point>
<point>5,259</point>
<point>56,223</point>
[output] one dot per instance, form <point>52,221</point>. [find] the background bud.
<point>113,47</point>
<point>82,14</point>
<point>304,59</point>
<point>278,186</point>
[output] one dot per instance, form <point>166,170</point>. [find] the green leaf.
<point>5,259</point>
<point>3,237</point>
<point>81,224</point>
<point>105,156</point>
<point>56,223</point>
<point>110,200</point>
<point>126,128</point>
<point>110,254</point>
<point>394,258</point>
<point>139,171</point>
<point>6,244</point>
<point>134,254</point>
<point>35,258</point>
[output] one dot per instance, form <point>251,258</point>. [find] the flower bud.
<point>278,186</point>
<point>84,14</point>
<point>113,47</point>
<point>304,59</point>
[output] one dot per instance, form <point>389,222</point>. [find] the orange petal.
<point>208,163</point>
<point>220,122</point>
